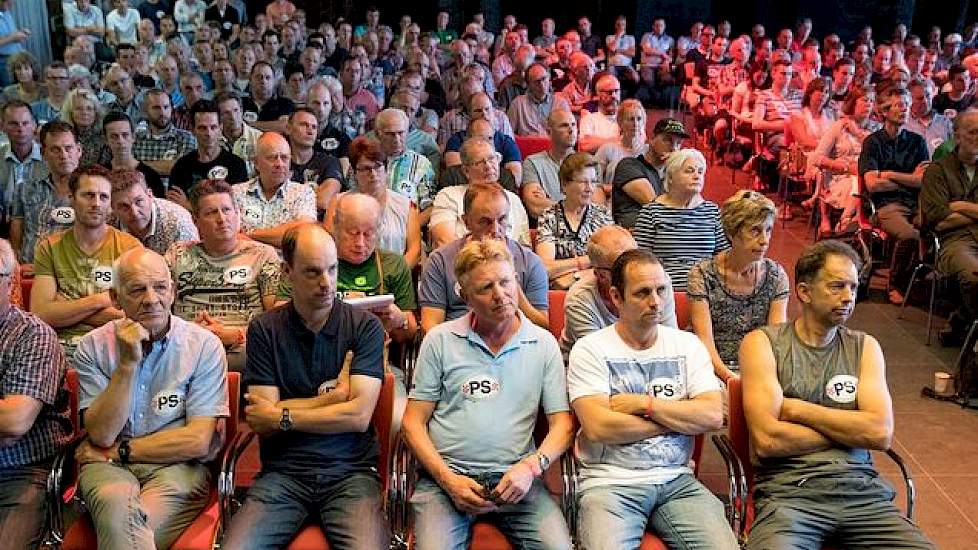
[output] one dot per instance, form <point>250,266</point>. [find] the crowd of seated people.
<point>197,188</point>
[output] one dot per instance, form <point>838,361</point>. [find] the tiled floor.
<point>939,441</point>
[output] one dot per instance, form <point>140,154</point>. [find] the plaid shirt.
<point>169,223</point>
<point>171,145</point>
<point>32,364</point>
<point>291,201</point>
<point>43,212</point>
<point>411,175</point>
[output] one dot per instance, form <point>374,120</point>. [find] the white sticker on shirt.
<point>666,388</point>
<point>102,276</point>
<point>328,144</point>
<point>227,25</point>
<point>217,173</point>
<point>238,275</point>
<point>480,387</point>
<point>250,117</point>
<point>842,388</point>
<point>167,402</point>
<point>327,386</point>
<point>160,14</point>
<point>252,215</point>
<point>170,154</point>
<point>63,214</point>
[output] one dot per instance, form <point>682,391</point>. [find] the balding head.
<point>607,243</point>
<point>310,266</point>
<point>356,223</point>
<point>272,158</point>
<point>143,289</point>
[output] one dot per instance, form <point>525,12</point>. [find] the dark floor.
<point>936,439</point>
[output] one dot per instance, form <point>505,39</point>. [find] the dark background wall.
<point>844,17</point>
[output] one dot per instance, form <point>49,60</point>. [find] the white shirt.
<point>124,26</point>
<point>448,209</point>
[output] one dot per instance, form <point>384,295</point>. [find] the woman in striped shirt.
<point>680,226</point>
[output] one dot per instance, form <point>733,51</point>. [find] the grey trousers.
<point>23,505</point>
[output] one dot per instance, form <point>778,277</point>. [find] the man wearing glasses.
<point>541,184</point>
<point>601,126</point>
<point>529,112</point>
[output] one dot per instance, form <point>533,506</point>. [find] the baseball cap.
<point>670,126</point>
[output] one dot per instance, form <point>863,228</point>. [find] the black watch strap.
<point>124,451</point>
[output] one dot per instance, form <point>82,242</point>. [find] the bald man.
<point>272,203</point>
<point>150,430</point>
<point>313,373</point>
<point>365,270</point>
<point>601,126</point>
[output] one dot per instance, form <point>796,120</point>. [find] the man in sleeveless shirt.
<point>816,402</point>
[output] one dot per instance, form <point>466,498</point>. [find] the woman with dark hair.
<point>400,222</point>
<point>26,73</point>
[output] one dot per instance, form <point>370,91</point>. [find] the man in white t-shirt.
<point>121,24</point>
<point>641,392</point>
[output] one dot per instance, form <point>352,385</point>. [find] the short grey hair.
<point>388,116</point>
<point>8,260</point>
<point>676,161</point>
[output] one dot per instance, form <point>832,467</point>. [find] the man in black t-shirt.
<point>209,161</point>
<point>227,17</point>
<point>314,168</point>
<point>638,180</point>
<point>264,108</point>
<point>312,409</point>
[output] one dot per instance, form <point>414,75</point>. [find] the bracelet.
<point>648,412</point>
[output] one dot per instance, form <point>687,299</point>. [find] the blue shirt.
<point>9,26</point>
<point>486,403</point>
<point>439,287</point>
<point>282,352</point>
<point>183,375</point>
<point>503,144</point>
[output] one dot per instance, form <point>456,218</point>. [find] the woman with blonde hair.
<point>739,289</point>
<point>83,111</point>
<point>680,226</point>
<point>632,143</point>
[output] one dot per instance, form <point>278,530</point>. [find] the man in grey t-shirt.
<point>588,306</point>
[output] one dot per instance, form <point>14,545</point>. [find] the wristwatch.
<point>544,461</point>
<point>124,451</point>
<point>285,424</point>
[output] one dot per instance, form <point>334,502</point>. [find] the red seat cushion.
<point>652,542</point>
<point>485,536</point>
<point>310,537</point>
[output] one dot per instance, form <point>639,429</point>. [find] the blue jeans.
<point>278,505</point>
<point>534,523</point>
<point>23,505</point>
<point>683,513</point>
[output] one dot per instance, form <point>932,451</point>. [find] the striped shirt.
<point>32,364</point>
<point>411,175</point>
<point>680,237</point>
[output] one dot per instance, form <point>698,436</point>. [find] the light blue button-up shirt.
<point>9,26</point>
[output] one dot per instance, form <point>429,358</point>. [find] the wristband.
<point>648,411</point>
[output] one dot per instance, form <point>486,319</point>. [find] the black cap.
<point>670,126</point>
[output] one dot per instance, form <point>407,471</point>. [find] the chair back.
<point>529,145</point>
<point>556,312</point>
<point>382,420</point>
<point>71,383</point>
<point>26,283</point>
<point>234,407</point>
<point>682,310</point>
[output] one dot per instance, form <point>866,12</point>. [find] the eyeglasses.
<point>378,167</point>
<point>488,161</point>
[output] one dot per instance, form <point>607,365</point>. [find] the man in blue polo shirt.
<point>151,389</point>
<point>486,215</point>
<point>311,410</point>
<point>480,382</point>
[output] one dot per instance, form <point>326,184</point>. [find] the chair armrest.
<point>399,488</point>
<point>736,483</point>
<point>225,481</point>
<point>907,479</point>
<point>570,492</point>
<point>62,473</point>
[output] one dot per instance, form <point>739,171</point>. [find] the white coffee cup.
<point>942,383</point>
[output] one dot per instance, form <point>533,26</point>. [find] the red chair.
<point>682,310</point>
<point>26,283</point>
<point>735,450</point>
<point>532,144</point>
<point>202,534</point>
<point>311,536</point>
<point>556,312</point>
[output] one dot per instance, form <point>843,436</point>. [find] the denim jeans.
<point>534,523</point>
<point>854,510</point>
<point>23,506</point>
<point>278,505</point>
<point>139,506</point>
<point>683,513</point>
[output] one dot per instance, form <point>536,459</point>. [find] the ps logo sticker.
<point>250,117</point>
<point>102,276</point>
<point>328,144</point>
<point>167,401</point>
<point>842,388</point>
<point>253,215</point>
<point>237,275</point>
<point>480,387</point>
<point>217,173</point>
<point>666,388</point>
<point>63,215</point>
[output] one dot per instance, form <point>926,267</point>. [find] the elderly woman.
<point>25,71</point>
<point>680,226</point>
<point>837,155</point>
<point>400,223</point>
<point>739,289</point>
<point>83,111</point>
<point>631,122</point>
<point>564,229</point>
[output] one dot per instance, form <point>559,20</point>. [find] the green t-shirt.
<point>365,278</point>
<point>78,274</point>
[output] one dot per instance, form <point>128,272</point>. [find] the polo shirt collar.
<point>463,328</point>
<point>332,326</point>
<point>255,189</point>
<point>154,218</point>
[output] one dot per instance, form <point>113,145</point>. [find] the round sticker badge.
<point>842,388</point>
<point>217,173</point>
<point>170,154</point>
<point>102,276</point>
<point>480,387</point>
<point>252,214</point>
<point>63,215</point>
<point>328,144</point>
<point>227,25</point>
<point>237,275</point>
<point>250,117</point>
